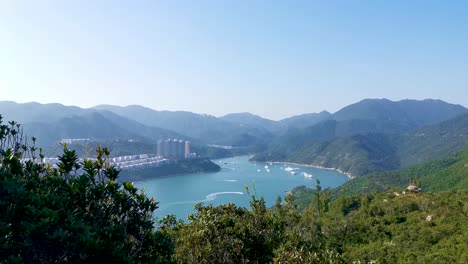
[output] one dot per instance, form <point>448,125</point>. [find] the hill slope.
<point>447,174</point>
<point>35,112</point>
<point>361,146</point>
<point>95,126</point>
<point>305,120</point>
<point>248,119</point>
<point>206,128</point>
<point>409,113</point>
<point>372,152</point>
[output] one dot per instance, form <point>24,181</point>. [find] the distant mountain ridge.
<point>413,113</point>
<point>206,128</point>
<point>95,126</point>
<point>375,135</point>
<point>36,112</point>
<point>379,133</point>
<point>305,120</point>
<point>248,119</point>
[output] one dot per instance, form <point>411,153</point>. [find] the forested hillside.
<point>206,128</point>
<point>448,174</point>
<point>366,152</point>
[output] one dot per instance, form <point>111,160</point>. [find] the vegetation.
<point>363,152</point>
<point>411,228</point>
<point>61,215</point>
<point>79,212</point>
<point>446,174</point>
<point>379,228</point>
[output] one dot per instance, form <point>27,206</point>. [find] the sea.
<point>177,194</point>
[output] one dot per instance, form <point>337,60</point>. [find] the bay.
<point>178,194</point>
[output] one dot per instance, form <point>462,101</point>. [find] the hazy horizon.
<point>239,112</point>
<point>270,58</point>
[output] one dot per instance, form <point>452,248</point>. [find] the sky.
<point>272,58</point>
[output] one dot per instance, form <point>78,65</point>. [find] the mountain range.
<point>364,137</point>
<point>375,135</point>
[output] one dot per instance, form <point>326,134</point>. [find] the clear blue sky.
<point>272,58</point>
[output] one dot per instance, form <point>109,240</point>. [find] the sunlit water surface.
<point>178,194</point>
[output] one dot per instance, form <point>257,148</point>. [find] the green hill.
<point>358,154</point>
<point>434,141</point>
<point>327,144</point>
<point>446,174</point>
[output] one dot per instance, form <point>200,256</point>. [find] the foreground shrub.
<point>77,212</point>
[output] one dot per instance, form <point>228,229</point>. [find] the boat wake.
<point>212,196</point>
<point>230,180</point>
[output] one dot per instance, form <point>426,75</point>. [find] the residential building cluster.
<point>168,151</point>
<point>174,149</point>
<point>142,160</point>
<point>131,161</point>
<point>73,140</point>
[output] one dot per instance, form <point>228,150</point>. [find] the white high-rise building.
<point>173,148</point>
<point>187,149</point>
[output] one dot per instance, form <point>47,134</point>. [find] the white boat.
<point>266,166</point>
<point>291,169</point>
<point>268,170</point>
<point>307,175</point>
<point>258,170</point>
<point>293,173</point>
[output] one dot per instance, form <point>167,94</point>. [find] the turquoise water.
<point>178,194</point>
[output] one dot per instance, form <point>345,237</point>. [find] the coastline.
<point>349,175</point>
<point>179,168</point>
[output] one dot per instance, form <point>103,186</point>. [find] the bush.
<point>77,212</point>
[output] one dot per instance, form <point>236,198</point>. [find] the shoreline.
<point>349,175</point>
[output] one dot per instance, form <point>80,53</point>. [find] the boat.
<point>293,172</point>
<point>266,167</point>
<point>307,175</point>
<point>291,169</point>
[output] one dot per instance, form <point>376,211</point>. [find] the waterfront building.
<point>187,149</point>
<point>173,148</point>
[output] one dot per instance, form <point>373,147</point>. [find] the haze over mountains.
<point>370,135</point>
